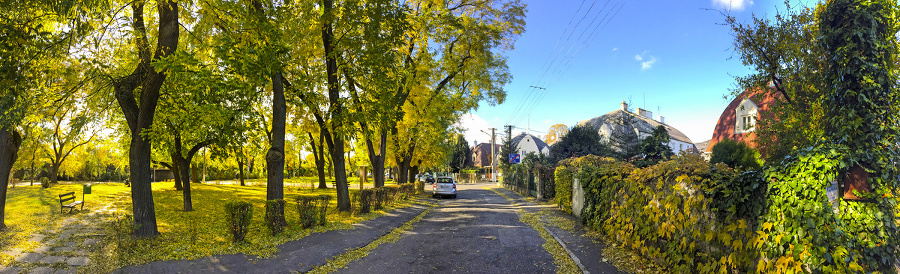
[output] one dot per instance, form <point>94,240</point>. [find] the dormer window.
<point>745,117</point>
<point>747,122</point>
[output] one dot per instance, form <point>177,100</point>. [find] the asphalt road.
<point>478,232</point>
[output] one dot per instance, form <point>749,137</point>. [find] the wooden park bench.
<point>64,201</point>
<point>334,184</point>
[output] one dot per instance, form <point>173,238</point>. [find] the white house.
<point>641,123</point>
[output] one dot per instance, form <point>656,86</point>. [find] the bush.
<point>239,215</point>
<point>736,155</point>
<point>379,198</point>
<point>407,190</point>
<point>275,216</point>
<point>307,210</point>
<point>364,200</point>
<point>45,182</point>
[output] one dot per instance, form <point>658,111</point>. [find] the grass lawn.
<point>183,235</point>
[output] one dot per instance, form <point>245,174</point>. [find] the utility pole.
<point>493,156</point>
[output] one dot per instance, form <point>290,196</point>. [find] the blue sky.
<point>674,58</point>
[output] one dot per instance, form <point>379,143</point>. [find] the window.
<point>748,122</point>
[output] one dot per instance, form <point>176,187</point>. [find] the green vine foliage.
<point>802,231</point>
<point>664,213</point>
<point>565,175</point>
<point>601,183</point>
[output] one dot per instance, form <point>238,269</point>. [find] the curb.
<point>566,248</point>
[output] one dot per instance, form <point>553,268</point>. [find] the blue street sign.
<point>514,159</point>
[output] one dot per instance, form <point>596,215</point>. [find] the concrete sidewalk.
<point>585,250</point>
<point>297,256</point>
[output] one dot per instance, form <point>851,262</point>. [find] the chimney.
<point>645,113</point>
<point>662,119</point>
<point>624,106</point>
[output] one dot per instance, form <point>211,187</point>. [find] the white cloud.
<point>646,60</point>
<point>735,5</point>
<point>615,49</point>
<point>472,125</point>
<point>648,64</point>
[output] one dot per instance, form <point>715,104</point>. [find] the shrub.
<point>364,200</point>
<point>407,190</point>
<point>45,182</point>
<point>275,216</point>
<point>324,200</point>
<point>742,196</point>
<point>379,198</point>
<point>306,208</point>
<point>392,194</point>
<point>239,215</point>
<point>736,155</point>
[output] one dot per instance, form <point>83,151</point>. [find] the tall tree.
<point>139,113</point>
<point>555,133</point>
<point>333,130</point>
<point>461,154</point>
<point>582,140</point>
<point>788,64</point>
<point>455,54</point>
<point>656,146</point>
<point>35,36</point>
<point>70,125</point>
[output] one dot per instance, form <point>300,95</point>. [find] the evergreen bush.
<point>308,212</point>
<point>736,155</point>
<point>45,182</point>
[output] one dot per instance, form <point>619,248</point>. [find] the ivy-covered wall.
<point>690,216</point>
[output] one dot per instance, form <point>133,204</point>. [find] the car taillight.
<point>454,186</point>
<point>434,185</point>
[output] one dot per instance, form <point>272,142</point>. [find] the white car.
<point>443,186</point>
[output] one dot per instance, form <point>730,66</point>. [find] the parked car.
<point>443,186</point>
<point>427,178</point>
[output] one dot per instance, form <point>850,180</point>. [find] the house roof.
<point>701,146</point>
<point>482,152</point>
<point>727,121</point>
<point>537,141</point>
<point>643,124</point>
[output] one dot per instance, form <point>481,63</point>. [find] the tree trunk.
<point>176,173</point>
<point>54,172</point>
<point>141,189</point>
<point>319,155</point>
<point>275,155</point>
<point>10,140</point>
<point>335,141</point>
<point>140,117</point>
<point>184,165</point>
<point>413,171</point>
<point>241,169</point>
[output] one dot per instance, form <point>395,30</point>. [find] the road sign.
<point>514,159</point>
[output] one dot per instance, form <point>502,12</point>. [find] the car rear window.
<point>444,180</point>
